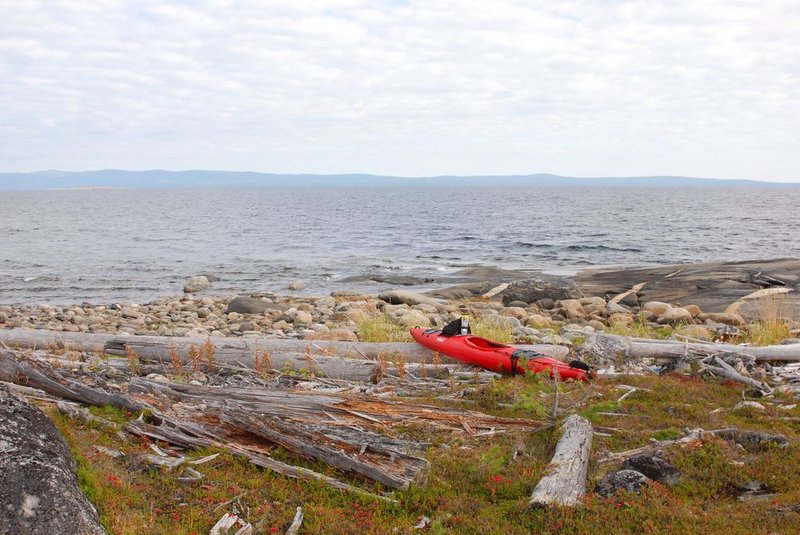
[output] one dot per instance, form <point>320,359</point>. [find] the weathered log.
<point>323,408</point>
<point>349,369</point>
<point>720,368</point>
<point>179,437</point>
<point>25,373</point>
<point>389,467</point>
<point>44,339</point>
<point>39,493</point>
<point>411,352</point>
<point>750,440</point>
<point>565,481</point>
<point>297,521</point>
<point>613,347</point>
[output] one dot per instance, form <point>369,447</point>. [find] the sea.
<point>115,245</point>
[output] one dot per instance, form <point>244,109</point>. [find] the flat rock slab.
<point>39,492</point>
<point>710,285</point>
<point>625,480</point>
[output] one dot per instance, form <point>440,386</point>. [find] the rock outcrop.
<point>39,492</point>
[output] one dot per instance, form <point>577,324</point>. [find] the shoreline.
<point>533,307</point>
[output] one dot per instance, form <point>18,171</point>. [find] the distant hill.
<point>113,178</point>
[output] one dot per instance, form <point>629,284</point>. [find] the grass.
<point>771,326</point>
<point>380,329</point>
<point>492,329</point>
<point>478,484</point>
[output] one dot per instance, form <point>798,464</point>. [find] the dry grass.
<point>771,326</point>
<point>492,329</point>
<point>133,360</point>
<point>381,329</point>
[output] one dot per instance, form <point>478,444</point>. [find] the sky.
<point>404,88</point>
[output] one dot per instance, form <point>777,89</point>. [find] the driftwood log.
<point>115,344</point>
<point>192,439</point>
<point>14,369</point>
<point>565,481</point>
<point>344,431</point>
<point>611,347</point>
<point>39,493</point>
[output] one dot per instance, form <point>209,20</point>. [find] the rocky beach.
<point>705,300</point>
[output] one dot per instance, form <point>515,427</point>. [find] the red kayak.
<point>497,357</point>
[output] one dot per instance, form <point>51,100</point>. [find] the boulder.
<point>397,297</point>
<point>694,310</point>
<point>413,318</point>
<point>753,441</point>
<point>519,313</point>
<point>621,318</point>
<point>303,317</point>
<point>696,331</point>
<point>196,283</point>
<point>675,315</point>
<point>616,308</point>
<point>656,307</point>
<point>572,309</point>
<point>39,493</point>
<point>252,305</point>
<point>297,285</point>
<point>722,317</point>
<point>627,480</point>
<point>538,320</point>
<point>655,468</point>
<point>538,287</point>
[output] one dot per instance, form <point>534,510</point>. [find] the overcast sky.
<point>411,88</point>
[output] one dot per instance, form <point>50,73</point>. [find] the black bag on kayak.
<point>453,328</point>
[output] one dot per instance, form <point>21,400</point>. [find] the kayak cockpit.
<point>483,343</point>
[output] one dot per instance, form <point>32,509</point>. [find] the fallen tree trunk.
<point>611,347</point>
<point>338,411</point>
<point>182,439</point>
<point>716,366</point>
<point>565,481</point>
<point>349,369</point>
<point>411,352</point>
<point>15,370</point>
<point>389,467</point>
<point>39,492</point>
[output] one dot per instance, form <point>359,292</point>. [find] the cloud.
<point>408,88</point>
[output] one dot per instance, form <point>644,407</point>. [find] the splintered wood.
<point>346,432</point>
<point>350,432</point>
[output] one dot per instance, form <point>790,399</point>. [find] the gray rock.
<point>627,480</point>
<point>755,491</point>
<point>538,287</point>
<point>753,441</point>
<point>517,304</point>
<point>39,493</point>
<point>394,280</point>
<point>252,305</point>
<point>297,285</point>
<point>195,284</point>
<point>655,468</point>
<point>304,318</point>
<point>397,297</point>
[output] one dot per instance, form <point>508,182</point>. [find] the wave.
<point>602,248</point>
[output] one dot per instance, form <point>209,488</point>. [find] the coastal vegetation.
<point>481,484</point>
